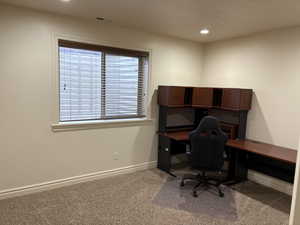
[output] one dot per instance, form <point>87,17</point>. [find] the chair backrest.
<point>208,145</point>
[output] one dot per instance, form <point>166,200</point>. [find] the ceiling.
<point>181,18</point>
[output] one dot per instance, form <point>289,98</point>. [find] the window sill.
<point>95,124</point>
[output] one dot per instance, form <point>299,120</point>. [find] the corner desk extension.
<point>241,152</point>
<point>181,110</point>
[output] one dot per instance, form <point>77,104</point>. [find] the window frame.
<point>57,125</point>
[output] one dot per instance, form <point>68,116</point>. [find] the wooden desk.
<point>240,151</point>
<point>275,152</point>
<point>272,151</point>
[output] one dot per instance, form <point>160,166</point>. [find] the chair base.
<point>203,181</point>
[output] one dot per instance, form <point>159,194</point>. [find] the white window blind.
<point>80,84</point>
<point>101,84</point>
<point>123,85</point>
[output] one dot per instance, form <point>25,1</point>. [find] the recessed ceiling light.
<point>65,0</point>
<point>204,31</point>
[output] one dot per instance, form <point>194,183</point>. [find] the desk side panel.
<point>164,155</point>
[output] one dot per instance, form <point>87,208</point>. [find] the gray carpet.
<point>208,203</point>
<point>146,198</point>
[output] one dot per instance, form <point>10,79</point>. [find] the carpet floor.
<point>147,198</point>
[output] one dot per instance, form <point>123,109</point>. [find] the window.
<point>99,82</point>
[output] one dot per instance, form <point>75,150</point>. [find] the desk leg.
<point>238,171</point>
<point>164,155</point>
<point>241,170</point>
<point>172,174</point>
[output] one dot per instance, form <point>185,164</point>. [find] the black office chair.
<point>206,154</point>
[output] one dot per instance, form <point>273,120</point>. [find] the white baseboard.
<point>271,182</point>
<point>20,191</point>
<point>259,178</point>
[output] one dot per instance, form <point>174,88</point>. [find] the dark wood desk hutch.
<point>182,108</point>
<point>191,104</point>
<point>230,105</point>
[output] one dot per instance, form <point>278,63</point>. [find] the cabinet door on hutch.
<point>203,97</point>
<point>236,99</point>
<point>171,96</point>
<point>231,99</point>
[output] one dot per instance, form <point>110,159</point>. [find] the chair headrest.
<point>208,124</point>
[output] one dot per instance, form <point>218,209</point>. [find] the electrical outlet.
<point>116,155</point>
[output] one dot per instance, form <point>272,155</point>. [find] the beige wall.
<point>269,64</point>
<point>30,152</point>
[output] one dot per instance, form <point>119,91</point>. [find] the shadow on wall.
<point>153,104</point>
<point>145,143</point>
<point>146,136</point>
<point>257,126</point>
<point>155,114</point>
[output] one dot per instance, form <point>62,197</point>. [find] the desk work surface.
<point>268,150</point>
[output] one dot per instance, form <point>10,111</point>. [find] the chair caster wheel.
<point>182,184</point>
<point>195,194</point>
